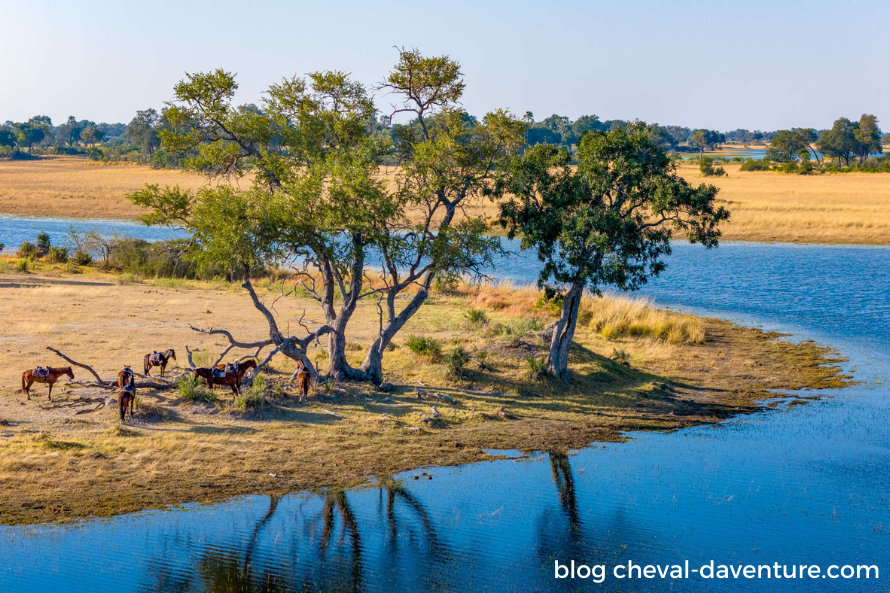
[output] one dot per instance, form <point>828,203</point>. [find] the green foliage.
<point>22,265</point>
<point>253,397</point>
<point>537,368</point>
<point>81,258</point>
<point>620,356</point>
<point>43,242</point>
<point>476,317</point>
<point>58,255</point>
<point>707,168</point>
<point>756,165</point>
<point>455,361</point>
<point>787,145</point>
<point>193,389</point>
<point>429,348</point>
<point>27,249</point>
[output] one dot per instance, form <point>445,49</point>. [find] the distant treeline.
<point>140,140</point>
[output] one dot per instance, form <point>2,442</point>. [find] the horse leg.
<point>27,389</point>
<point>122,405</point>
<point>163,366</point>
<point>50,383</point>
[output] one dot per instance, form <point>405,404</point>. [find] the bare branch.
<point>78,364</point>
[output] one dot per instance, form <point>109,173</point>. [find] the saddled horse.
<point>52,375</point>
<point>233,374</point>
<point>127,397</point>
<point>158,359</point>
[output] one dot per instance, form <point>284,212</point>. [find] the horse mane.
<point>60,369</point>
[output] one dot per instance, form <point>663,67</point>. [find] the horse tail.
<point>24,387</point>
<point>121,402</point>
<point>147,363</point>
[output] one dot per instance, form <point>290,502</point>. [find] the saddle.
<point>219,373</point>
<point>41,372</point>
<point>156,358</point>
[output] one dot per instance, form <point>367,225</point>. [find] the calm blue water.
<point>802,485</point>
<point>15,230</point>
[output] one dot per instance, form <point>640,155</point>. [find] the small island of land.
<point>633,368</point>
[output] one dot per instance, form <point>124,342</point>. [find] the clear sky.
<point>722,65</point>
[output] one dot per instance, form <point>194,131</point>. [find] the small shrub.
<point>620,356</point>
<point>476,317</point>
<point>252,397</point>
<point>58,255</point>
<point>707,168</point>
<point>43,242</point>
<point>193,389</point>
<point>72,268</point>
<point>27,249</point>
<point>81,258</point>
<point>22,266</point>
<point>456,360</point>
<point>537,368</point>
<point>2,247</point>
<point>429,348</point>
<point>790,167</point>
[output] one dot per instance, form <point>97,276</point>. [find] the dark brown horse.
<point>232,378</point>
<point>31,376</point>
<point>158,359</point>
<point>127,397</point>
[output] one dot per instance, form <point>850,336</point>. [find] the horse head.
<point>70,373</point>
<point>248,364</point>
<point>171,353</point>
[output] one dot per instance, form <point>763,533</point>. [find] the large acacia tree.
<point>606,222</point>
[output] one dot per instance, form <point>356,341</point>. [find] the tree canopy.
<point>606,223</point>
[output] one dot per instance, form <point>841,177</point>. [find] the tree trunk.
<point>372,367</point>
<point>564,332</point>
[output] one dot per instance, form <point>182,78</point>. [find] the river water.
<point>798,485</point>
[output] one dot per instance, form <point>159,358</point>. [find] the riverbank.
<point>57,465</point>
<point>848,208</point>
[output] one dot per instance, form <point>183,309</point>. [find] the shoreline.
<point>62,466</point>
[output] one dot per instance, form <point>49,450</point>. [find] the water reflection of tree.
<point>234,570</point>
<point>561,471</point>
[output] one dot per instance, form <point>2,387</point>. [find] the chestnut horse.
<point>127,397</point>
<point>302,380</point>
<point>231,379</point>
<point>30,377</point>
<point>124,376</point>
<point>158,359</point>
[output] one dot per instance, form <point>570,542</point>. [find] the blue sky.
<point>720,65</point>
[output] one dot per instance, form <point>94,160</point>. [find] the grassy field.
<point>765,206</point>
<point>57,464</point>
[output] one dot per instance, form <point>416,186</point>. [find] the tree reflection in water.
<point>335,564</point>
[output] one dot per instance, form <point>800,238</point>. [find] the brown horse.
<point>232,379</point>
<point>303,380</point>
<point>31,376</point>
<point>124,376</point>
<point>206,374</point>
<point>158,359</point>
<point>127,397</point>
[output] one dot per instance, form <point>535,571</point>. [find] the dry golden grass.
<point>79,188</point>
<point>58,465</point>
<point>765,206</point>
<point>778,207</point>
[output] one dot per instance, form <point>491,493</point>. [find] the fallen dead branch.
<point>423,393</point>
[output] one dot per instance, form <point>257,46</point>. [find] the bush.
<point>2,246</point>
<point>58,255</point>
<point>81,258</point>
<point>192,389</point>
<point>252,397</point>
<point>537,368</point>
<point>428,348</point>
<point>755,165</point>
<point>22,265</point>
<point>476,317</point>
<point>456,360</point>
<point>43,242</point>
<point>27,249</point>
<point>790,167</point>
<point>707,168</point>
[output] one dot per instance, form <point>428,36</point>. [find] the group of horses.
<point>230,374</point>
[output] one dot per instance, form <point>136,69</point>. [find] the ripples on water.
<point>802,485</point>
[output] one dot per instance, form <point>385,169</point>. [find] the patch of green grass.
<point>476,317</point>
